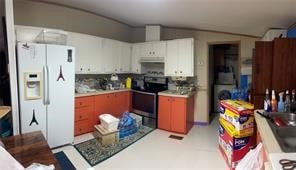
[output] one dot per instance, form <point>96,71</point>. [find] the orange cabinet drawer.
<point>82,127</point>
<point>83,114</point>
<point>84,102</point>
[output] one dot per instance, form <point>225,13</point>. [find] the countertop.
<point>270,143</point>
<point>4,110</point>
<point>30,148</point>
<point>172,93</point>
<point>100,92</point>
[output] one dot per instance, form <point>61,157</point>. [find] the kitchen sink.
<point>285,134</point>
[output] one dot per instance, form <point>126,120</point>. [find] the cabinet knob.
<point>80,129</point>
<point>80,117</point>
<point>120,69</point>
<point>80,103</point>
<point>176,72</point>
<point>88,69</point>
<point>153,52</point>
<point>137,70</point>
<point>181,71</point>
<point>81,69</point>
<point>115,69</point>
<point>168,99</point>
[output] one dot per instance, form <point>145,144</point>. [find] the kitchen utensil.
<point>288,164</point>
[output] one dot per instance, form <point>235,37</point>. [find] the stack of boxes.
<point>107,132</point>
<point>236,130</point>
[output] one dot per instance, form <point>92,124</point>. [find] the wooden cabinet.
<point>84,110</point>
<point>273,68</point>
<point>88,51</point>
<point>135,59</point>
<point>112,103</point>
<point>179,60</point>
<point>153,50</point>
<point>175,113</point>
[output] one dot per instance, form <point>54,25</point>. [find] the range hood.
<point>153,33</point>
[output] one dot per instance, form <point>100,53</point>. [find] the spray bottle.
<point>281,105</point>
<point>273,102</point>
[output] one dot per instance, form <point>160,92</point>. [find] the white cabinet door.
<point>125,58</point>
<point>88,52</point>
<point>159,49</point>
<point>171,59</point>
<point>179,60</point>
<point>111,52</point>
<point>135,60</point>
<point>146,50</point>
<point>186,58</point>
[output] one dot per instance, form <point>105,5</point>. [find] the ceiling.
<point>249,17</point>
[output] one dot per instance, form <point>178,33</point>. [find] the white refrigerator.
<point>46,81</point>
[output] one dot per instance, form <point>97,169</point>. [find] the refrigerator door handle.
<point>47,89</point>
<point>44,85</point>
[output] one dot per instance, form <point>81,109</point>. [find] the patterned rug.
<point>94,152</point>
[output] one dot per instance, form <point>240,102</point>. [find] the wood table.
<point>30,148</point>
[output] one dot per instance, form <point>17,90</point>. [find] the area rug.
<point>64,161</point>
<point>94,152</point>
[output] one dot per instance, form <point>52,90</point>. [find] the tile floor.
<point>197,151</point>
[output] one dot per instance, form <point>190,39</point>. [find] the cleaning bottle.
<point>281,105</point>
<point>267,107</point>
<point>128,83</point>
<point>287,102</point>
<point>273,102</point>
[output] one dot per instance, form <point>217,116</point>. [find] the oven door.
<point>144,103</point>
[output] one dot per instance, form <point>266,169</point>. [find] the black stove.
<point>145,99</point>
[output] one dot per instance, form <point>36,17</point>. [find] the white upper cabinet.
<point>154,51</point>
<point>88,53</point>
<point>125,58</point>
<point>179,60</point>
<point>116,56</point>
<point>111,53</point>
<point>135,60</point>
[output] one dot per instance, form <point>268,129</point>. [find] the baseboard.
<point>201,123</point>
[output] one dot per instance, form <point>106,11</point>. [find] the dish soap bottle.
<point>281,105</point>
<point>267,107</point>
<point>287,102</point>
<point>128,83</point>
<point>273,102</point>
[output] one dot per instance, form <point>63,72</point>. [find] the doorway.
<point>224,72</point>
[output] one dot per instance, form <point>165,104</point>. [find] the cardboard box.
<point>233,147</point>
<point>239,114</point>
<point>104,136</point>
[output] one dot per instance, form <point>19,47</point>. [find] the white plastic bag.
<point>252,160</point>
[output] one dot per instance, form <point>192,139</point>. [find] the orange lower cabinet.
<point>102,105</point>
<point>164,113</point>
<point>84,111</point>
<point>178,115</point>
<point>175,113</point>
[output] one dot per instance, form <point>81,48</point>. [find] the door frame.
<point>12,65</point>
<point>238,42</point>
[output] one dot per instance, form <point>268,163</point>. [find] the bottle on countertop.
<point>273,102</point>
<point>287,102</point>
<point>281,105</point>
<point>267,105</point>
<point>293,102</point>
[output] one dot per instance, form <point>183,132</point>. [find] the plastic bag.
<point>252,160</point>
<point>127,125</point>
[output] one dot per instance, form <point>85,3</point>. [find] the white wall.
<point>38,14</point>
<point>202,39</point>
